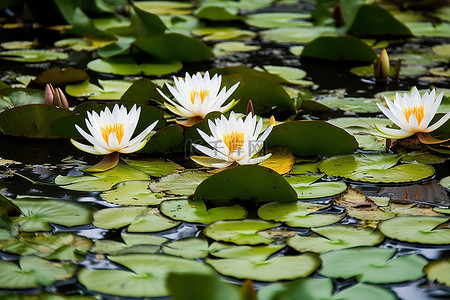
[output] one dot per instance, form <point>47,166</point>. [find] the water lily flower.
<point>55,97</point>
<point>197,96</point>
<point>233,140</point>
<point>111,132</point>
<point>413,115</point>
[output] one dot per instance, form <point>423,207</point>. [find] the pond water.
<point>37,167</point>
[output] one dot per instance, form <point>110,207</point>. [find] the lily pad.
<point>184,183</point>
<point>14,97</point>
<point>278,20</point>
<point>101,181</point>
<point>298,214</point>
<point>108,89</point>
<point>373,265</point>
<point>165,140</point>
<point>240,232</point>
<point>307,186</point>
<point>134,243</point>
<point>33,56</point>
<point>145,276</point>
<point>61,76</point>
<point>165,7</point>
<point>60,245</point>
<point>227,48</point>
<point>135,192</point>
<point>336,237</point>
<point>217,13</point>
<point>37,213</point>
<point>290,74</point>
<point>356,105</point>
<point>322,288</point>
<point>32,272</point>
<point>439,270</point>
<point>376,168</point>
<point>138,219</point>
<point>190,248</point>
<point>119,65</point>
<point>256,253</point>
<point>296,34</point>
<point>312,138</point>
<point>445,182</point>
<point>429,29</point>
<point>154,167</point>
<point>416,229</point>
<point>195,211</point>
<point>223,33</point>
<point>265,185</point>
<point>274,269</point>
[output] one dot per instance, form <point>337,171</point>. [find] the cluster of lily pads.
<point>279,197</point>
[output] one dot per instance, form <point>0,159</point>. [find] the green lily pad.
<point>442,50</point>
<point>14,97</point>
<point>146,275</point>
<point>373,265</point>
<point>44,296</point>
<point>429,29</point>
<point>439,270</point>
<point>305,168</point>
<point>165,7</point>
<point>61,76</point>
<point>60,245</point>
<point>312,138</point>
<point>108,89</point>
<point>240,232</point>
<point>135,192</point>
<point>265,185</point>
<point>217,13</point>
<point>138,219</point>
<point>134,243</point>
<point>307,187</point>
<point>256,253</point>
<point>119,65</point>
<point>223,33</point>
<point>417,229</point>
<point>356,105</point>
<point>360,128</point>
<point>101,181</point>
<point>375,167</point>
<point>274,269</point>
<point>195,211</point>
<point>14,45</point>
<point>445,182</point>
<point>241,4</point>
<point>322,288</point>
<point>298,214</point>
<point>278,20</point>
<point>143,91</point>
<point>190,248</point>
<point>82,44</point>
<point>164,140</point>
<point>33,56</point>
<point>336,237</point>
<point>154,167</point>
<point>296,34</point>
<point>227,48</point>
<point>184,183</point>
<point>37,213</point>
<point>32,272</point>
<point>291,75</point>
<point>339,48</point>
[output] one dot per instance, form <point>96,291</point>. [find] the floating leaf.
<point>415,229</point>
<point>145,275</point>
<point>291,75</point>
<point>165,7</point>
<point>101,181</point>
<point>154,167</point>
<point>339,48</point>
<point>375,167</point>
<point>296,34</point>
<point>32,56</point>
<point>223,33</point>
<point>373,265</point>
<point>256,253</point>
<point>439,270</point>
<point>429,29</point>
<point>82,44</point>
<point>184,183</point>
<point>108,89</point>
<point>32,272</point>
<point>60,76</point>
<point>356,105</point>
<point>135,192</point>
<point>142,91</point>
<point>278,19</point>
<point>217,13</point>
<point>312,138</point>
<point>127,66</point>
<point>307,187</point>
<point>336,237</point>
<point>138,219</point>
<point>445,182</point>
<point>195,211</point>
<point>240,232</point>
<point>274,269</point>
<point>190,248</point>
<point>322,288</point>
<point>227,48</point>
<point>165,140</point>
<point>37,213</point>
<point>298,214</point>
<point>14,97</point>
<point>134,243</point>
<point>265,186</point>
<point>280,161</point>
<point>60,245</point>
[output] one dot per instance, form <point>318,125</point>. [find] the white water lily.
<point>233,140</point>
<point>197,96</point>
<point>111,131</point>
<point>413,115</point>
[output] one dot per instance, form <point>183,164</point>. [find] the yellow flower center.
<point>233,140</point>
<point>416,110</point>
<point>201,93</point>
<point>116,128</point>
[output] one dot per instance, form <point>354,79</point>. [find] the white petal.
<point>394,133</point>
<point>211,153</point>
<point>438,123</point>
<point>85,148</point>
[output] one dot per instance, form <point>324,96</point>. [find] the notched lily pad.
<point>154,167</point>
<point>183,183</point>
<point>33,56</point>
<point>307,186</point>
<point>135,192</point>
<point>190,248</point>
<point>195,211</point>
<point>439,270</point>
<point>108,89</point>
<point>133,243</point>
